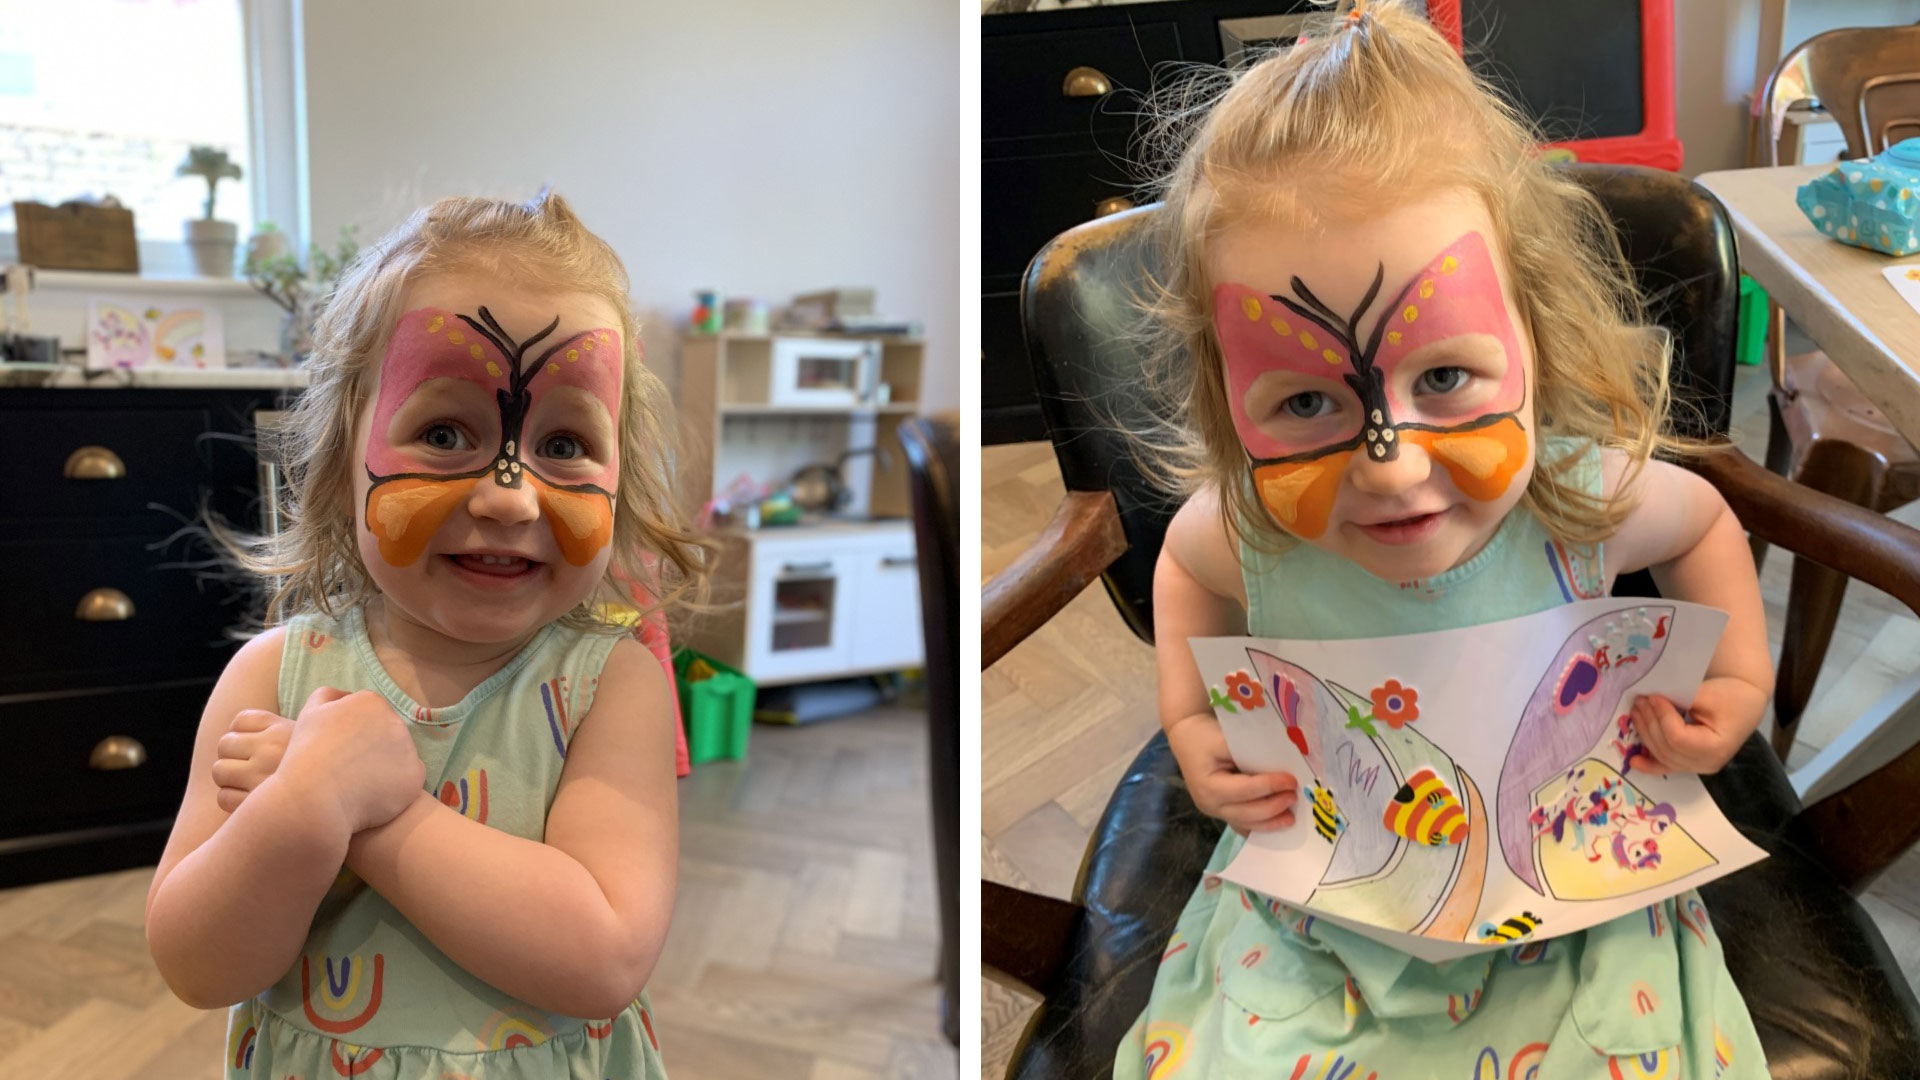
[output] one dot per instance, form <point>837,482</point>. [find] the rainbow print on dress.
<point>506,1030</point>
<point>240,1046</point>
<point>355,1060</point>
<point>1331,1066</point>
<point>467,795</point>
<point>1166,1050</point>
<point>340,990</point>
<point>553,698</point>
<point>1654,1065</point>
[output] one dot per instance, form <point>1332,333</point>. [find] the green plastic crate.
<point>1751,347</point>
<point>717,709</point>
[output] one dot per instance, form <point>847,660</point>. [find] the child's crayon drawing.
<point>1395,837</point>
<point>132,334</point>
<point>1408,853</point>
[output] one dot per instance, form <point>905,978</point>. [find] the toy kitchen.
<point>793,463</point>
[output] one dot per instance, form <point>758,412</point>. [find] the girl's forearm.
<point>1718,571</point>
<point>565,952</point>
<point>232,917</point>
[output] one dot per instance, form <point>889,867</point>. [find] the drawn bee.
<point>1512,930</point>
<point>1425,811</point>
<point>1326,815</point>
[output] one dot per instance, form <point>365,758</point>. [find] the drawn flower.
<point>1245,690</point>
<point>1395,704</point>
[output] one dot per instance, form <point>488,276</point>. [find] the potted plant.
<point>213,242</point>
<point>299,290</point>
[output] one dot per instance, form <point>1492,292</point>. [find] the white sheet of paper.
<point>1905,280</point>
<point>129,332</point>
<point>1541,831</point>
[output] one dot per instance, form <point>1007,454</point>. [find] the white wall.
<point>1716,43</point>
<point>758,147</point>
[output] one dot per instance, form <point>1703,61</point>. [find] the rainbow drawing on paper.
<point>124,333</point>
<point>1409,834</point>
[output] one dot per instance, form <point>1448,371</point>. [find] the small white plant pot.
<point>213,244</point>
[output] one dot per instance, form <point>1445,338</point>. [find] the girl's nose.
<point>494,501</point>
<point>1398,473</point>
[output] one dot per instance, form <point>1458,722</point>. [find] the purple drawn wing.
<point>1573,708</point>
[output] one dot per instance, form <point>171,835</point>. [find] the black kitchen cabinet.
<point>114,624</point>
<point>1062,112</point>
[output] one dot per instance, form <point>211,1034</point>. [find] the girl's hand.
<point>249,752</point>
<point>1724,713</point>
<point>352,754</point>
<point>1245,802</point>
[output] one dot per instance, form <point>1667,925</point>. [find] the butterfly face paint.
<point>1287,349</point>
<point>508,383</point>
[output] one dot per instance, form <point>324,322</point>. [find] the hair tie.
<point>1359,12</point>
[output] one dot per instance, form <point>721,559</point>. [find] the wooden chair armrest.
<point>1867,547</point>
<point>1078,545</point>
<point>1856,835</point>
<point>1026,935</point>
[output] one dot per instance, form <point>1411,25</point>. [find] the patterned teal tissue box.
<point>1871,204</point>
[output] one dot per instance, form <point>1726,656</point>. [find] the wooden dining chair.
<point>1823,432</point>
<point>1826,995</point>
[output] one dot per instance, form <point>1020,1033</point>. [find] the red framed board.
<point>1567,62</point>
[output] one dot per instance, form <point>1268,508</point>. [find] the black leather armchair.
<point>1825,993</point>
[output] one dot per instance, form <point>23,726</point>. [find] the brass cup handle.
<point>1086,82</point>
<point>1112,205</point>
<point>104,605</point>
<point>94,463</point>
<point>117,752</point>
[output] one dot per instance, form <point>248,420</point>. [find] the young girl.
<point>1413,397</point>
<point>430,826</point>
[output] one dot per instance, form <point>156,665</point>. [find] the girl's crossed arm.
<point>575,924</point>
<point>234,895</point>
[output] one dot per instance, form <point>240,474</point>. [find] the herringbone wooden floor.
<point>1064,713</point>
<point>803,946</point>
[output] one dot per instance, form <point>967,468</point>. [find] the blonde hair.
<point>1372,102</point>
<point>314,562</point>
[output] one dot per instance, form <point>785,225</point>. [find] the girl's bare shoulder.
<point>1198,540</point>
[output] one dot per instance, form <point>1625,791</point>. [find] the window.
<point>103,97</point>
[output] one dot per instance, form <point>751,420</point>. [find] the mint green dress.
<point>1251,987</point>
<point>371,996</point>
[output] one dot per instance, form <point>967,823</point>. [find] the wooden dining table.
<point>1837,294</point>
<point>1840,297</point>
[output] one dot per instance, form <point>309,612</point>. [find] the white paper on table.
<point>129,332</point>
<point>1905,280</point>
<point>1528,712</point>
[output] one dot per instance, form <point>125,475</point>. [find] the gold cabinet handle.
<point>117,752</point>
<point>104,605</point>
<point>1112,205</point>
<point>1086,82</point>
<point>94,463</point>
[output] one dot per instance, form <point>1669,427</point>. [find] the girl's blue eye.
<point>563,447</point>
<point>445,437</point>
<point>1442,380</point>
<point>1308,405</point>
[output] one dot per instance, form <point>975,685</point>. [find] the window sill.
<point>102,282</point>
